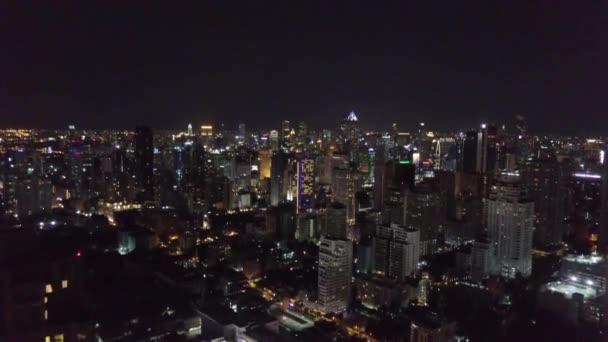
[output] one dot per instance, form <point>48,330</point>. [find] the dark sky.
<point>451,64</point>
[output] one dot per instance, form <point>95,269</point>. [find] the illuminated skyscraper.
<point>207,131</point>
<point>190,130</point>
<point>510,223</point>
<point>306,183</point>
<point>351,134</point>
<point>144,161</point>
<point>274,140</point>
<point>265,162</point>
<point>335,274</point>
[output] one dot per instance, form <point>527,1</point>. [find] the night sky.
<point>450,64</point>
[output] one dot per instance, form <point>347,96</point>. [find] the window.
<point>58,338</point>
<point>46,299</point>
<point>64,284</point>
<point>47,339</point>
<point>46,315</point>
<point>48,288</point>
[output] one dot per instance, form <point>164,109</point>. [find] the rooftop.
<point>568,289</point>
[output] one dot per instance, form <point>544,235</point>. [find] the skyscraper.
<point>351,134</point>
<point>306,182</point>
<point>510,223</point>
<point>285,130</point>
<point>277,168</point>
<point>603,231</point>
<point>144,161</point>
<point>335,221</point>
<point>265,162</point>
<point>471,150</point>
<point>343,191</point>
<point>396,251</point>
<point>335,273</point>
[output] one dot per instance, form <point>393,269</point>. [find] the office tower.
<point>603,231</point>
<point>482,259</point>
<point>425,212</point>
<point>308,227</point>
<point>351,134</point>
<point>470,152</point>
<point>274,140</point>
<point>335,221</point>
<point>265,157</point>
<point>144,162</point>
<point>379,180</point>
<point>371,162</point>
<point>194,173</point>
<point>189,132</point>
<point>306,183</point>
<point>400,174</point>
<point>302,133</point>
<point>285,130</point>
<point>547,181</point>
<point>343,191</point>
<point>396,251</point>
<point>488,148</point>
<point>277,169</point>
<point>424,287</point>
<point>510,223</point>
<point>480,150</point>
<point>395,206</point>
<point>121,168</point>
<point>335,273</point>
<point>242,131</point>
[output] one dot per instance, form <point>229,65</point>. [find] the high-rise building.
<point>277,169</point>
<point>482,259</point>
<point>510,224</point>
<point>265,162</point>
<point>471,152</point>
<point>42,282</point>
<point>425,212</point>
<point>335,221</point>
<point>306,183</point>
<point>335,274</point>
<point>603,231</point>
<point>285,130</point>
<point>144,161</point>
<point>343,191</point>
<point>351,134</point>
<point>274,140</point>
<point>396,251</point>
<point>547,181</point>
<point>488,148</point>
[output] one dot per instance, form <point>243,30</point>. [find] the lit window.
<point>47,339</point>
<point>46,299</point>
<point>46,315</point>
<point>58,338</point>
<point>64,284</point>
<point>48,288</point>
